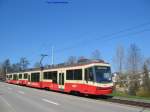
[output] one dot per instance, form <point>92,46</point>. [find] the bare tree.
<point>133,66</point>
<point>96,54</point>
<point>23,63</point>
<point>37,65</point>
<point>146,78</point>
<point>119,58</point>
<point>5,67</point>
<point>1,72</point>
<point>83,59</point>
<point>16,67</point>
<point>134,59</point>
<point>147,62</point>
<point>72,60</point>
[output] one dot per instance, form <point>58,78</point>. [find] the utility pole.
<point>42,57</point>
<point>52,56</point>
<point>4,78</point>
<point>6,70</point>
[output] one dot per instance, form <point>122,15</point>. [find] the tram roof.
<point>64,65</point>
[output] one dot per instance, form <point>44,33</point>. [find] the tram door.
<point>61,81</point>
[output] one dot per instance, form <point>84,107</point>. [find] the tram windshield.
<point>103,74</point>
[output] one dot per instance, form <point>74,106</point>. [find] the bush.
<point>133,87</point>
<point>143,93</point>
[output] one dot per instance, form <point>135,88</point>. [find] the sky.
<point>29,28</point>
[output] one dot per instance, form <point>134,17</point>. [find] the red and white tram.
<point>93,77</point>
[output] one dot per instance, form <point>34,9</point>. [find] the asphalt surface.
<point>14,98</point>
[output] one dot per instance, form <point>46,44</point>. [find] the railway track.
<point>129,102</point>
<point>118,100</point>
<point>115,100</point>
<point>124,101</point>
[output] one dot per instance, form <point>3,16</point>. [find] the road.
<point>14,98</point>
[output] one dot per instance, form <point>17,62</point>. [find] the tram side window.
<point>69,75</point>
<point>10,77</point>
<point>7,76</point>
<point>25,76</point>
<point>20,76</point>
<point>78,74</point>
<point>29,79</point>
<point>54,77</point>
<point>89,76</point>
<point>74,74</point>
<point>35,77</point>
<point>47,75</point>
<point>15,77</point>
